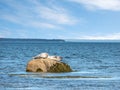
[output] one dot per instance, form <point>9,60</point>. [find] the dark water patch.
<point>89,77</point>
<point>67,57</point>
<point>74,54</point>
<point>102,67</point>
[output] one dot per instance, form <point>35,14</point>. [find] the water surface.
<point>96,66</point>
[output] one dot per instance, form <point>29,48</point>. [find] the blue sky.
<point>60,19</point>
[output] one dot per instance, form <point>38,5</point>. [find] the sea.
<point>95,65</point>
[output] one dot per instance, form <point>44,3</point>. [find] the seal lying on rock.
<point>45,63</point>
<point>46,55</point>
<point>42,55</point>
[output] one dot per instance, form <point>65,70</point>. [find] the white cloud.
<point>100,4</point>
<point>41,24</point>
<point>59,16</point>
<point>114,36</point>
<point>29,22</point>
<point>36,14</point>
<point>54,13</point>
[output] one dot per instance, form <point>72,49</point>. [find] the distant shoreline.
<point>27,39</point>
<point>59,40</point>
<point>30,40</point>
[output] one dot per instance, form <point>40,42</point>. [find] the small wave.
<point>85,72</point>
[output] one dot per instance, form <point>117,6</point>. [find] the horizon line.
<point>66,39</point>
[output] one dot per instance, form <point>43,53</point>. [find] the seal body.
<point>42,55</point>
<point>45,56</point>
<point>57,58</point>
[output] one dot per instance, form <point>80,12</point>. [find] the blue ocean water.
<point>96,66</point>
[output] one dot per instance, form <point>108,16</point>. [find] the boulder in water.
<point>47,65</point>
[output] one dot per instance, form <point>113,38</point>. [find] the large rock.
<point>47,65</point>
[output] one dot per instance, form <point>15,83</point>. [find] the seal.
<point>42,55</point>
<point>57,58</point>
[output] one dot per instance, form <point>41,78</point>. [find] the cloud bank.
<point>114,36</point>
<point>113,5</point>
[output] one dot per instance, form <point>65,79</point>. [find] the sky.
<point>60,19</point>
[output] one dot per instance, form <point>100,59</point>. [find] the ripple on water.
<point>72,75</point>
